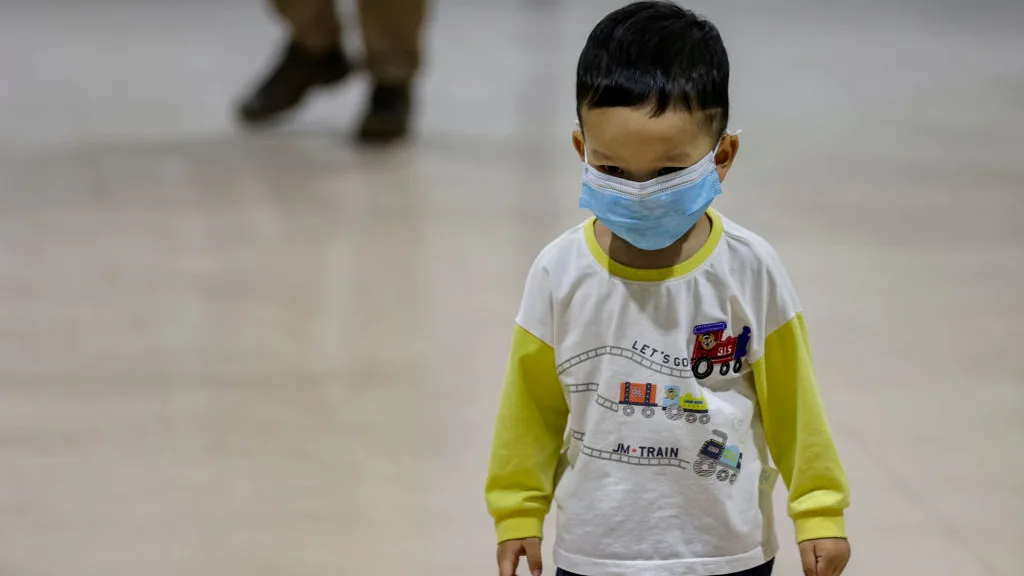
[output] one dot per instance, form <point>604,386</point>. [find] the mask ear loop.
<point>733,132</point>
<point>576,123</point>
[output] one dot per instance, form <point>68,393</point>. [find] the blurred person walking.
<point>315,57</point>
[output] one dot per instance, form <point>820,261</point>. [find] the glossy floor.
<point>225,353</point>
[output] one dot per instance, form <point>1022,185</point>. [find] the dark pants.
<point>763,570</point>
<point>391,32</point>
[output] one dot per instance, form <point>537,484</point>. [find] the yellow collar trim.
<point>657,274</point>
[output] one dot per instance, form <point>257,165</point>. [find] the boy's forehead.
<point>675,133</point>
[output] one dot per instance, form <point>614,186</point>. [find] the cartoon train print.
<point>689,407</point>
<point>632,394</point>
<point>715,455</point>
<point>712,348</point>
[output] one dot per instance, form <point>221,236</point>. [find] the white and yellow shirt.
<point>647,402</point>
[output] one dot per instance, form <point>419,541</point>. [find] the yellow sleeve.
<point>798,433</point>
<point>527,443</point>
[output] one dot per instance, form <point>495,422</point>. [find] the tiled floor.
<point>258,354</point>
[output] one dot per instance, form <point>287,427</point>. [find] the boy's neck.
<point>678,252</point>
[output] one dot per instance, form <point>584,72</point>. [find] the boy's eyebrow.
<point>678,158</point>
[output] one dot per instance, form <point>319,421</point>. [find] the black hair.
<point>656,54</point>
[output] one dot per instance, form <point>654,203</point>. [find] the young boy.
<point>662,342</point>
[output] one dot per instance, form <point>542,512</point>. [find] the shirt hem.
<point>682,567</point>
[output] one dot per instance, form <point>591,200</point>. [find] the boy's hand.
<point>509,552</point>
<point>825,557</point>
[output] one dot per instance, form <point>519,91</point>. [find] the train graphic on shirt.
<point>715,458</point>
<point>645,397</point>
<point>718,459</point>
<point>712,348</point>
<point>690,407</point>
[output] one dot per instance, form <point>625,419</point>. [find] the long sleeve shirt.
<point>656,408</point>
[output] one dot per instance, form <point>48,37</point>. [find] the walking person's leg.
<point>314,23</point>
<point>391,34</point>
<point>313,57</point>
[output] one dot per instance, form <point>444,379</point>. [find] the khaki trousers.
<point>391,32</point>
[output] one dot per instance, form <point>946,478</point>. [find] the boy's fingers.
<point>846,560</point>
<point>508,558</point>
<point>837,566</point>
<point>809,560</point>
<point>828,565</point>
<point>834,557</point>
<point>533,556</point>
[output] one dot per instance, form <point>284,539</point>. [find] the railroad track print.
<point>625,353</point>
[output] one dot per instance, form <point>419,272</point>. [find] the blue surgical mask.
<point>652,215</point>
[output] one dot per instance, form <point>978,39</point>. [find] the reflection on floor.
<point>226,353</point>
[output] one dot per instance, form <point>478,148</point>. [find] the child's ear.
<point>579,144</point>
<point>727,150</point>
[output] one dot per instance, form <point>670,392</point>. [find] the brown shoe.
<point>388,116</point>
<point>285,87</point>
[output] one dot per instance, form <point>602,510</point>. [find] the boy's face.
<point>629,143</point>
